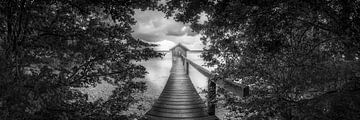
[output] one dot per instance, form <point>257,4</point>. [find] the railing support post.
<point>183,60</point>
<point>211,97</point>
<point>187,68</point>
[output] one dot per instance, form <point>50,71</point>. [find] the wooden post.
<point>187,68</point>
<point>183,60</point>
<point>211,97</point>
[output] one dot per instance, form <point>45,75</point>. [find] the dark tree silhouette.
<point>51,47</point>
<point>299,57</point>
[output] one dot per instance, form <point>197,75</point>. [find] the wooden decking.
<point>179,99</point>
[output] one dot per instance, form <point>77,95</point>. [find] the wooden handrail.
<point>202,70</point>
<point>236,88</point>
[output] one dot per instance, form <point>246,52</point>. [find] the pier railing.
<point>226,83</point>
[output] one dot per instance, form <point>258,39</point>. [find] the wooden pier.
<point>179,99</point>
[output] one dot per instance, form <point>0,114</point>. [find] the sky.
<point>153,27</point>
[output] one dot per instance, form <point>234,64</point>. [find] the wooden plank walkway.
<point>179,99</point>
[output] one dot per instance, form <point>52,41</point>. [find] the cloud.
<point>147,37</point>
<point>185,30</point>
<point>176,30</point>
<point>190,32</point>
<point>152,26</point>
<point>164,45</point>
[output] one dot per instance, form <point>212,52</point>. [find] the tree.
<point>51,47</point>
<point>291,53</point>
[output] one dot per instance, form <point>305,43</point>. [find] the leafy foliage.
<point>292,53</point>
<point>51,47</point>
